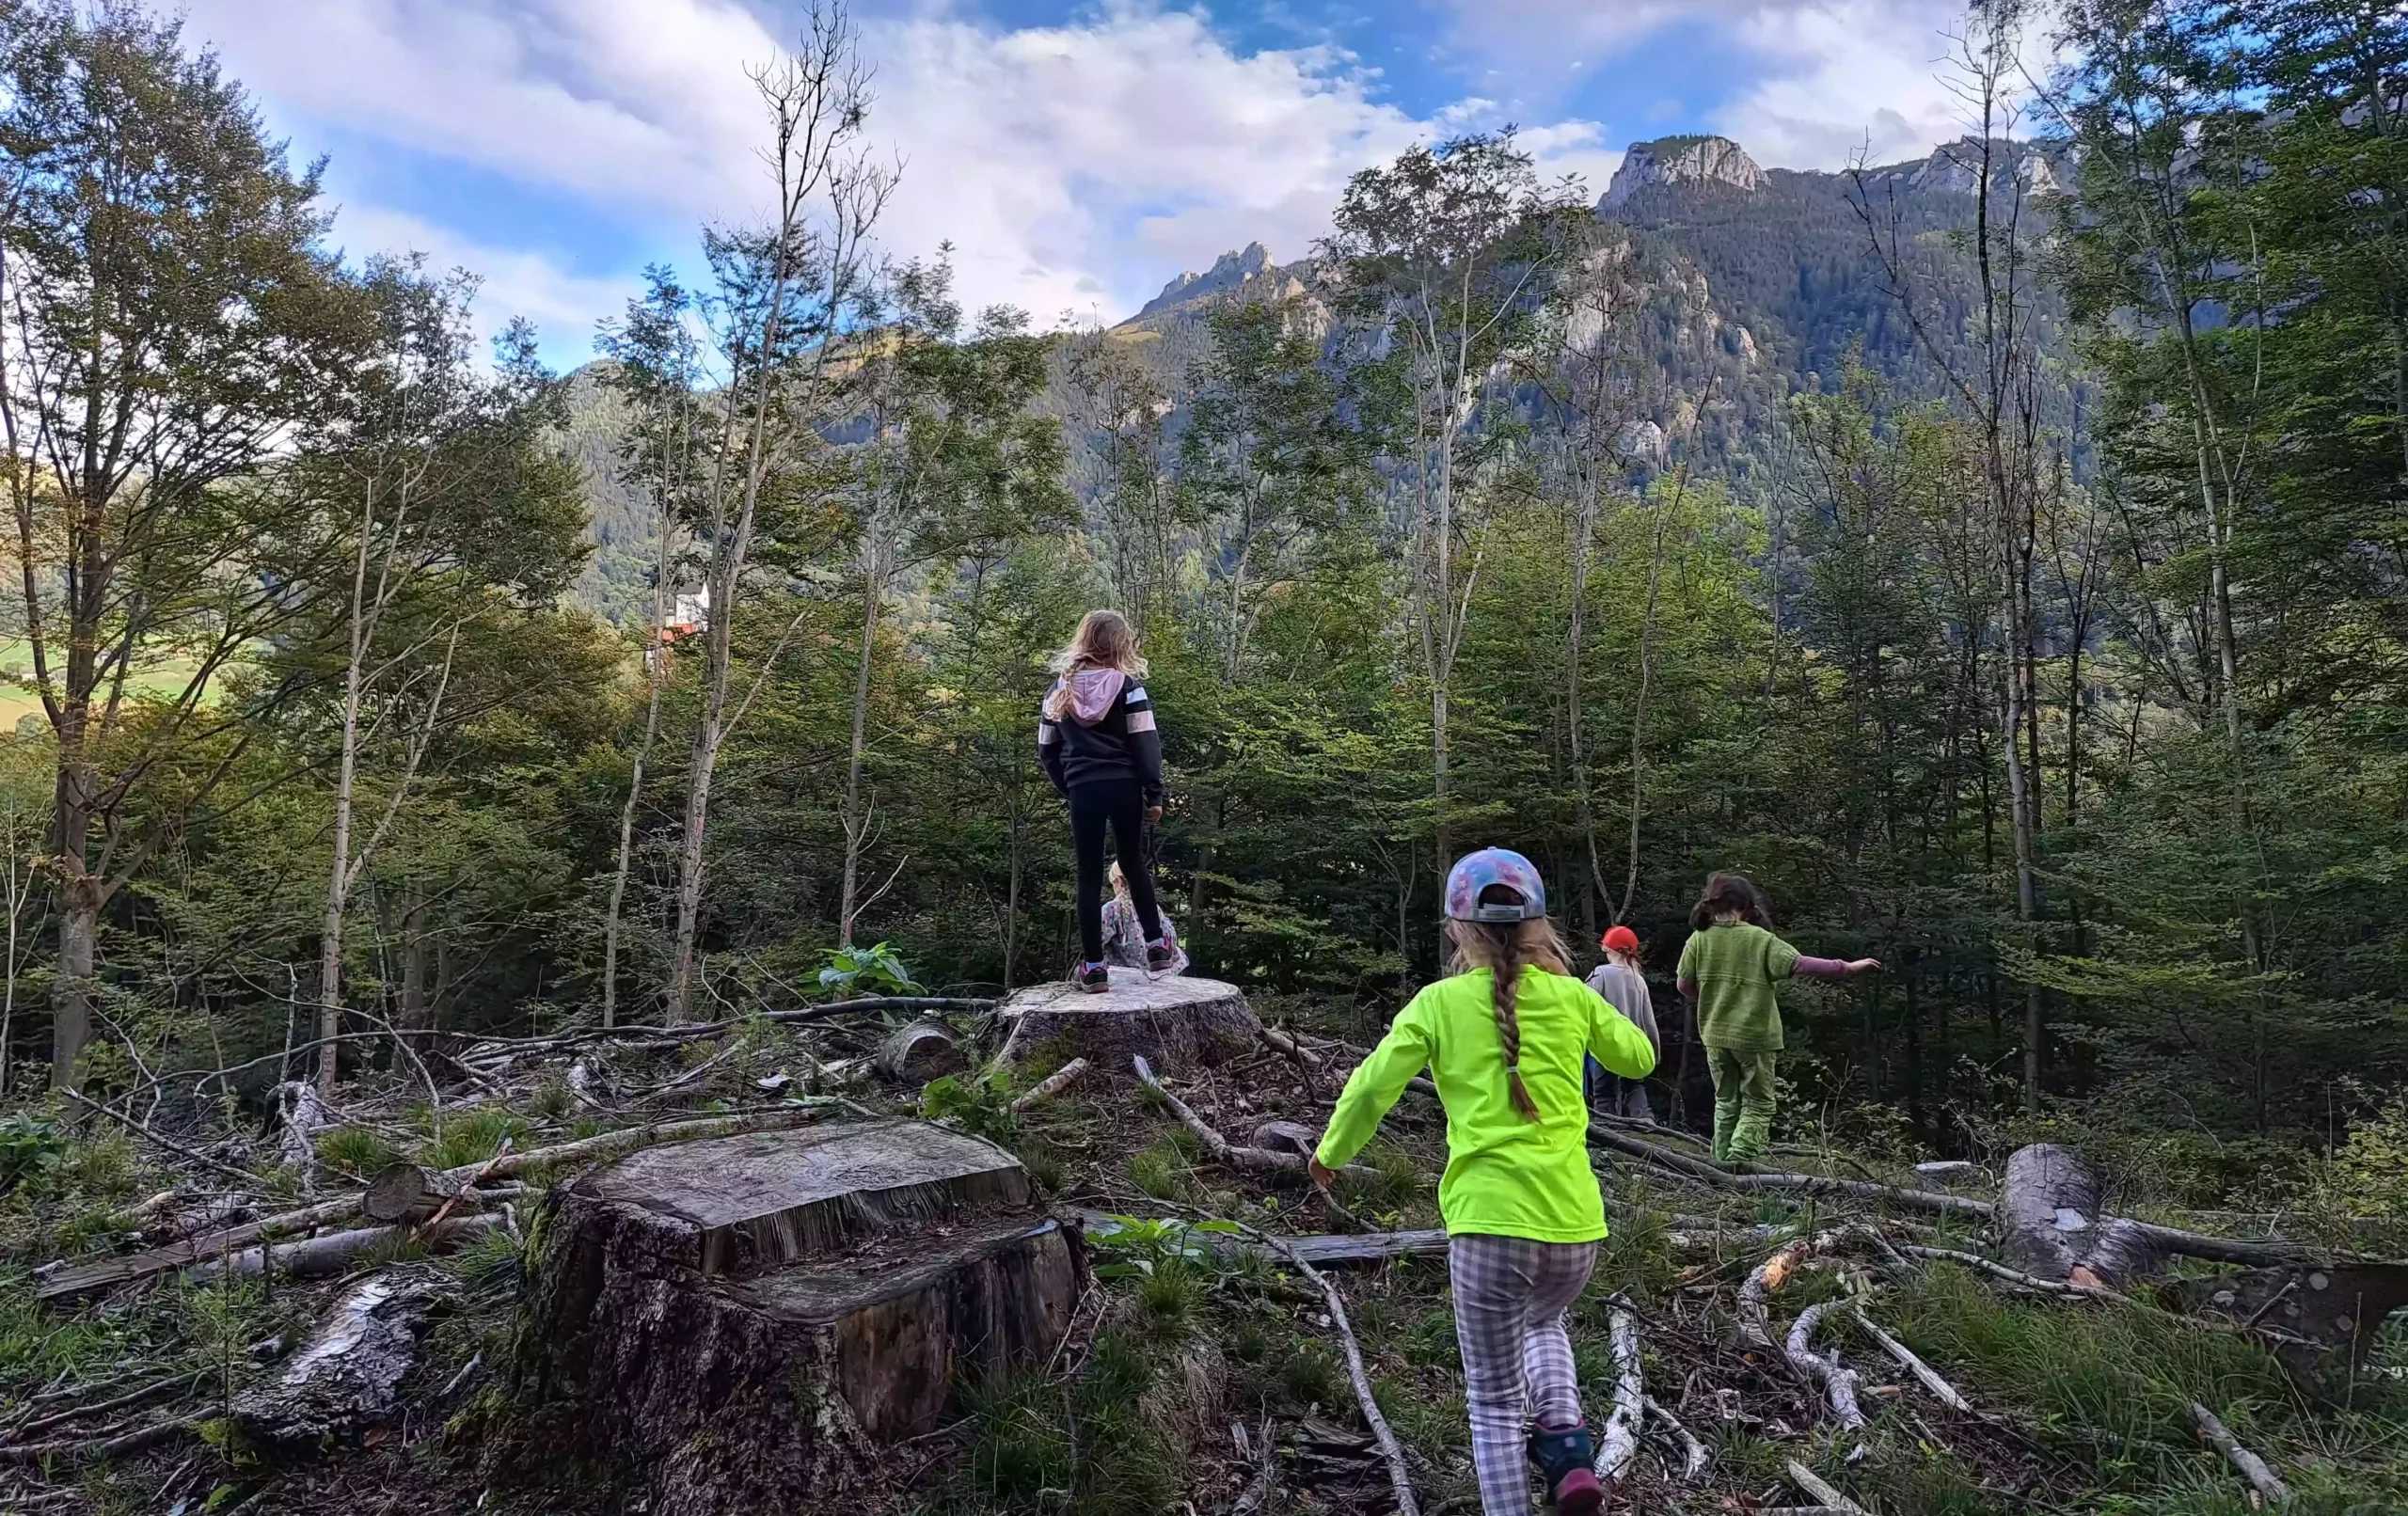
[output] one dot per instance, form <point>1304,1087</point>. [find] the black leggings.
<point>1120,804</point>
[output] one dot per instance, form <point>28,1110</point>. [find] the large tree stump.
<point>1172,1021</point>
<point>740,1324</point>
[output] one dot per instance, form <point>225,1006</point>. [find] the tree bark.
<point>855,824</point>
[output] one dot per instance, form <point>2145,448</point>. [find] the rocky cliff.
<point>1674,163</point>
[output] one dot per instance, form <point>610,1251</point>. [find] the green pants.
<point>1743,1103</point>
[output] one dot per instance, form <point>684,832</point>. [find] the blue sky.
<point>1078,155</point>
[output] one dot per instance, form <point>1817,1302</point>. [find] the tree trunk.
<point>72,992</point>
<point>417,1010</point>
<point>1174,1022</point>
<point>689,852</point>
<point>857,824</point>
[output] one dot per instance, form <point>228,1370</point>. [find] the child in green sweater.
<point>1729,971</point>
<point>1505,1040</point>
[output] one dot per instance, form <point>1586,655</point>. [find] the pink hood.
<point>1092,693</point>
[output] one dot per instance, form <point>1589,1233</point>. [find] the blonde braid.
<point>1506,982</point>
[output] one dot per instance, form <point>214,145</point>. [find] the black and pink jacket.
<point>1105,731</point>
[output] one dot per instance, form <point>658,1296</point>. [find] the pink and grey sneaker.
<point>1161,955</point>
<point>1092,977</point>
<point>1564,1456</point>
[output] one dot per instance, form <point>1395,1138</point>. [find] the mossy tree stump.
<point>741,1324</point>
<point>1174,1021</point>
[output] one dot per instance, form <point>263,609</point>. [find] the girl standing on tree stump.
<point>1730,969</point>
<point>1504,1040</point>
<point>1097,742</point>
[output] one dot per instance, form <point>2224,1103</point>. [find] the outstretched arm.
<point>1373,1089</point>
<point>1834,968</point>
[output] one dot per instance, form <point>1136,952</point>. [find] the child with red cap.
<point>1619,981</point>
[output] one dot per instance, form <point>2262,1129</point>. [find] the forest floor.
<point>1199,1374</point>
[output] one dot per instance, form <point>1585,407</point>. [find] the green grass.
<point>357,1151</point>
<point>162,678</point>
<point>472,1138</point>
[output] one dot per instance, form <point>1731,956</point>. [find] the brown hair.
<point>1729,894</point>
<point>1504,948</point>
<point>1104,641</point>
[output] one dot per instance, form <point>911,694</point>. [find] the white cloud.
<point>1822,78</point>
<point>1075,167</point>
<point>514,282</point>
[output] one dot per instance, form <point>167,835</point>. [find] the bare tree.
<point>784,297</point>
<point>2001,397</point>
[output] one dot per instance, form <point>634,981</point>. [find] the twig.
<point>132,1397</point>
<point>1946,1392</point>
<point>1697,1456</point>
<point>179,1149</point>
<point>2253,1468</point>
<point>86,1447</point>
<point>1053,1085</point>
<point>1617,1443</point>
<point>1806,1479</point>
<point>1398,1475</point>
<point>1222,1149</point>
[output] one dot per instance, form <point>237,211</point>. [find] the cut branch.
<point>2253,1468</point>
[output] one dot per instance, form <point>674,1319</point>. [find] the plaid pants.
<point>1511,1294</point>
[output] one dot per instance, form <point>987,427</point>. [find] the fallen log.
<point>1364,1247</point>
<point>2253,1468</point>
<point>920,1052</point>
<point>2170,1239</point>
<point>316,1257</point>
<point>405,1191</point>
<point>2048,1223</point>
<point>347,1377</point>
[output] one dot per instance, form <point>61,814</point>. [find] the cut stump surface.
<point>741,1324</point>
<point>1172,1021</point>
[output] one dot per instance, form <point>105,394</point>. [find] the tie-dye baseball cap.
<point>1475,872</point>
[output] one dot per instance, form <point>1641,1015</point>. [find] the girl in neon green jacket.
<point>1505,1040</point>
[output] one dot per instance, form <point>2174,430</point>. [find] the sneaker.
<point>1563,1456</point>
<point>1160,954</point>
<point>1092,977</point>
<point>1580,1493</point>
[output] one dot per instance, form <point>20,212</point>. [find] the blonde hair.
<point>1504,948</point>
<point>1104,641</point>
<point>1118,881</point>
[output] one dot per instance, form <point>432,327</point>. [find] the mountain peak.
<point>1229,272</point>
<point>1688,159</point>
